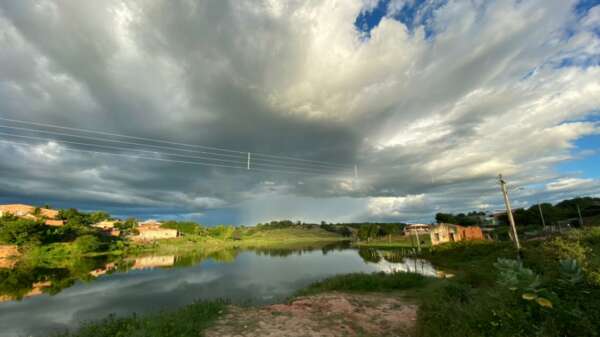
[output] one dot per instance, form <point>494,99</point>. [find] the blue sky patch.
<point>367,20</point>
<point>583,6</point>
<point>588,165</point>
<point>412,15</point>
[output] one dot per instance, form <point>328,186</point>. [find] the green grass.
<point>479,300</point>
<point>187,321</point>
<point>361,282</point>
<point>396,241</point>
<point>251,239</point>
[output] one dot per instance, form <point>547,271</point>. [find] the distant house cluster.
<point>148,230</point>
<point>33,213</point>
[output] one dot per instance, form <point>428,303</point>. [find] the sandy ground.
<point>327,315</point>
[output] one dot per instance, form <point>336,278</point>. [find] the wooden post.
<point>511,219</point>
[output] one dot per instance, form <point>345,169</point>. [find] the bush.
<point>87,244</point>
<point>21,231</point>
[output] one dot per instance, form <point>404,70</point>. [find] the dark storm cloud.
<point>429,121</point>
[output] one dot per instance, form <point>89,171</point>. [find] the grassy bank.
<point>395,241</point>
<point>553,291</point>
<point>187,321</point>
<point>277,238</point>
<point>359,282</point>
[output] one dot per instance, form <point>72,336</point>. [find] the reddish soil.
<point>326,315</point>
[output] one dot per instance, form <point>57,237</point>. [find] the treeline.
<point>553,214</point>
<point>360,230</point>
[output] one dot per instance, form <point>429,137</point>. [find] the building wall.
<point>444,233</point>
<point>54,223</point>
<point>155,232</point>
<point>105,224</point>
<point>158,234</point>
<point>472,233</point>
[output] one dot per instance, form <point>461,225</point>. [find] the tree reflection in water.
<point>33,277</point>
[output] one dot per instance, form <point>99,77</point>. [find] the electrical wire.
<point>170,142</point>
<point>282,169</point>
<point>256,160</point>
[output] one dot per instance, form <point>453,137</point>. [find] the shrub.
<point>87,244</point>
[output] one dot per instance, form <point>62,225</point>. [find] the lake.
<point>37,300</point>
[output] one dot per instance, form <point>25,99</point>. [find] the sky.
<point>138,107</point>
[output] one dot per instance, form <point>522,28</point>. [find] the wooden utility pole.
<point>511,219</point>
<point>418,241</point>
<point>542,216</point>
<point>580,218</point>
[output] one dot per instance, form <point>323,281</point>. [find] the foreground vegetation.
<point>553,291</point>
<point>187,321</point>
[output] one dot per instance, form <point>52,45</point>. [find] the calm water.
<point>39,300</point>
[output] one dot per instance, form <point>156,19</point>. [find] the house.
<point>21,210</point>
<point>151,230</point>
<point>108,227</point>
<point>444,233</point>
<point>106,224</point>
<point>32,213</point>
<point>416,228</point>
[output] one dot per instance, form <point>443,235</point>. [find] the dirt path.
<point>326,315</point>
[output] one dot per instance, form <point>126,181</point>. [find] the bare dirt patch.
<point>326,315</point>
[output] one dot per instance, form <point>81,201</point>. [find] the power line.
<point>300,164</point>
<point>169,160</point>
<point>116,147</point>
<point>115,141</point>
<point>169,142</point>
<point>315,170</point>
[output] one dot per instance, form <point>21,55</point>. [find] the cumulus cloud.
<point>434,105</point>
<point>567,184</point>
<point>396,207</point>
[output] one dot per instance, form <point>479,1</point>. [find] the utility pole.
<point>418,241</point>
<point>511,220</point>
<point>580,218</point>
<point>542,216</point>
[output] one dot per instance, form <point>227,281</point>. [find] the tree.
<point>98,217</point>
<point>445,218</point>
<point>73,216</point>
<point>87,244</point>
<point>21,231</point>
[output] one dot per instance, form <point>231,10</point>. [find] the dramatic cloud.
<point>430,99</point>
